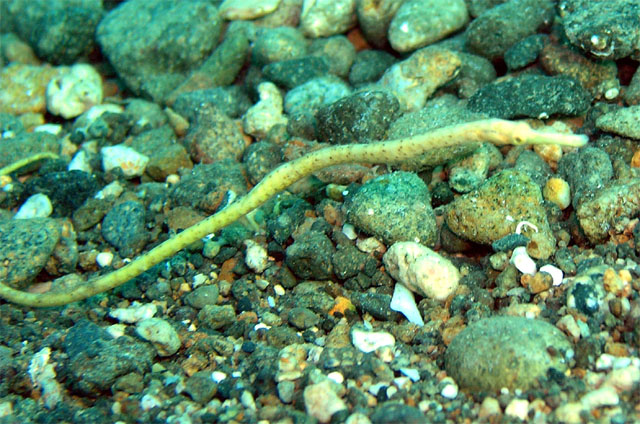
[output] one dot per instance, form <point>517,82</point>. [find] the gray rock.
<point>525,51</point>
<point>615,203</point>
<point>60,31</point>
<point>201,387</point>
<point>511,352</point>
<point>418,23</point>
<point>326,18</point>
<point>25,248</point>
<point>585,170</point>
<point>124,228</point>
<point>214,137</point>
<point>153,44</point>
<point>166,156</point>
<point>309,256</point>
<point>369,66</point>
<point>294,72</point>
<point>390,413</point>
<point>497,29</point>
<point>394,207</point>
<point>531,96</point>
<point>337,51</point>
<point>67,190</point>
<point>632,94</point>
<point>277,44</point>
<point>534,166</point>
<point>607,29</point>
<point>374,17</point>
<point>23,145</point>
<point>623,121</point>
<point>97,360</point>
<point>203,296</point>
<point>216,317</point>
<point>310,96</point>
<point>359,118</point>
<point>302,318</point>
<point>232,101</point>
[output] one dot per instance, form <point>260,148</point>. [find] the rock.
<point>359,118</point>
<point>266,113</point>
<point>152,43</point>
<point>294,72</point>
<point>97,360</point>
<point>506,352</point>
<point>166,155</point>
<point>124,157</point>
<point>302,318</point>
<point>495,30</point>
<point>67,190</point>
<point>492,211</point>
<point>525,51</point>
<point>233,101</point>
<point>216,317</point>
<point>214,137</point>
<point>532,96</point>
<point>161,334</point>
<point>23,88</point>
<point>247,9</point>
<point>599,77</point>
<point>36,206</point>
<point>415,79</point>
<point>624,121</point>
<point>390,413</point>
<point>124,228</point>
<point>203,296</point>
<point>74,91</point>
<point>321,400</point>
<point>418,23</point>
<point>370,65</point>
<point>25,248</point>
<point>598,215</point>
<point>310,256</point>
<point>323,18</point>
<point>374,17</point>
<point>422,270</point>
<point>60,31</point>
<point>337,51</point>
<point>585,170</point>
<point>375,208</point>
<point>606,29</point>
<point>277,44</point>
<point>315,93</point>
<point>201,387</point>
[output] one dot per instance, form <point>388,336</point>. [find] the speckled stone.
<point>23,145</point>
<point>525,51</point>
<point>623,121</point>
<point>616,203</point>
<point>511,352</point>
<point>497,29</point>
<point>607,29</point>
<point>482,216</point>
<point>415,79</point>
<point>418,23</point>
<point>310,96</point>
<point>585,170</point>
<point>394,207</point>
<point>532,96</point>
<point>213,137</point>
<point>309,256</point>
<point>25,248</point>
<point>359,118</point>
<point>247,9</point>
<point>161,334</point>
<point>23,87</point>
<point>374,17</point>
<point>153,43</point>
<point>123,227</point>
<point>67,190</point>
<point>632,94</point>
<point>369,66</point>
<point>294,72</point>
<point>337,51</point>
<point>276,44</point>
<point>166,156</point>
<point>597,76</point>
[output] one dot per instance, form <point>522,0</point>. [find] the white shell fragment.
<point>422,270</point>
<point>404,302</point>
<point>235,10</point>
<point>75,91</point>
<point>130,161</point>
<point>255,256</point>
<point>104,259</point>
<point>368,341</point>
<point>262,116</point>
<point>556,273</point>
<point>522,261</point>
<point>134,313</point>
<point>36,206</point>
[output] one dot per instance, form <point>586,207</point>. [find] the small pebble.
<point>159,332</point>
<point>104,259</point>
<point>36,206</point>
<point>256,256</point>
<point>75,91</point>
<point>130,161</point>
<point>369,341</point>
<point>134,313</point>
<point>518,408</point>
<point>557,190</point>
<point>321,401</point>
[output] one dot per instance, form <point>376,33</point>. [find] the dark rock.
<point>67,190</point>
<point>531,96</point>
<point>294,72</point>
<point>309,257</point>
<point>124,228</point>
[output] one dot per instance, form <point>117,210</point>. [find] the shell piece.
<point>522,261</point>
<point>555,272</point>
<point>403,302</point>
<point>368,341</point>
